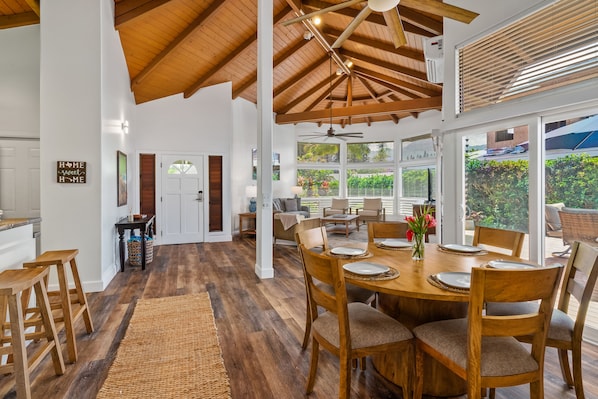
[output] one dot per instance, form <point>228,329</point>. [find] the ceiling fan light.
<point>382,5</point>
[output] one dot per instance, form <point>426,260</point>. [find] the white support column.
<point>265,42</point>
<point>536,179</point>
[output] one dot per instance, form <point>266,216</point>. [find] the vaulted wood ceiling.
<point>181,46</point>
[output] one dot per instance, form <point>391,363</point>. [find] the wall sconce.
<point>251,193</point>
<point>125,127</point>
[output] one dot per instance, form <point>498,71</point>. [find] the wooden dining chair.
<point>387,230</point>
<point>507,239</point>
<point>482,349</point>
<point>565,333</point>
<point>316,240</point>
<point>350,331</point>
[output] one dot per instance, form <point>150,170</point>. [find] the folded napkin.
<point>288,220</point>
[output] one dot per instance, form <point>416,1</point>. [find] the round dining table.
<point>413,300</point>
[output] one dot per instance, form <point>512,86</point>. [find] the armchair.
<point>338,206</point>
<point>578,225</point>
<point>372,210</point>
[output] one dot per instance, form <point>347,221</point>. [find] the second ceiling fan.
<point>391,16</point>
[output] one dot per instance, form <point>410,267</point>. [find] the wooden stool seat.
<point>72,301</point>
<point>12,285</point>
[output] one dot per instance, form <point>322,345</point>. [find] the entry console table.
<point>145,226</point>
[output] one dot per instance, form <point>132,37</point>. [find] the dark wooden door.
<point>147,184</point>
<point>215,192</point>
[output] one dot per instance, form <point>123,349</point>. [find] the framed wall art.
<point>121,170</point>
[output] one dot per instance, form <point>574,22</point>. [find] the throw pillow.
<point>290,204</point>
<point>276,204</point>
<point>553,220</point>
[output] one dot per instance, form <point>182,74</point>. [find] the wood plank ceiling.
<point>181,46</point>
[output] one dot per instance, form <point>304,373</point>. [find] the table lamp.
<point>251,193</point>
<point>296,190</point>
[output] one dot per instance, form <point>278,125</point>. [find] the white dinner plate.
<point>460,248</point>
<point>366,268</point>
<point>396,243</point>
<point>347,251</point>
<point>455,279</point>
<point>504,264</point>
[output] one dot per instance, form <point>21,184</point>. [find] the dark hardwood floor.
<point>260,327</point>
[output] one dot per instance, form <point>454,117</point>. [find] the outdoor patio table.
<point>413,300</point>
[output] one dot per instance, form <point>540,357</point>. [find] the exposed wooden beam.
<point>411,16</point>
<point>372,18</point>
<point>419,105</point>
<point>390,86</point>
<point>34,4</point>
<point>179,40</point>
<point>374,95</point>
<point>298,76</point>
<point>127,10</point>
<point>16,20</point>
<point>229,57</point>
<point>323,96</point>
<point>313,90</point>
<point>398,82</point>
<point>442,9</point>
<point>402,51</point>
<point>385,64</point>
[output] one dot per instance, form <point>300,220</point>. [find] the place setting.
<point>370,271</point>
<point>349,252</point>
<point>394,244</point>
<point>451,281</point>
<point>508,265</point>
<point>464,250</point>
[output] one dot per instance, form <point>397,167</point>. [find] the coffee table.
<point>343,219</point>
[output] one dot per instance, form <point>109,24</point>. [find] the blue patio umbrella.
<point>578,135</point>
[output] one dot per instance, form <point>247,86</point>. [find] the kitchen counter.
<point>17,242</point>
<point>7,224</point>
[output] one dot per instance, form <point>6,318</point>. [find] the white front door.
<point>182,199</point>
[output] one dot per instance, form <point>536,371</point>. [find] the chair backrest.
<point>387,230</point>
<point>372,204</point>
<point>579,225</point>
<point>329,271</point>
<point>500,285</point>
<point>579,281</point>
<point>340,203</point>
<point>313,238</point>
<point>507,239</point>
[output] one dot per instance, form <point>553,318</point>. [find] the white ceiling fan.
<point>391,15</point>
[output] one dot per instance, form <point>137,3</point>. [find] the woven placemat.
<point>381,245</point>
<point>170,350</point>
<point>392,273</point>
<point>448,251</point>
<point>434,281</point>
<point>365,255</point>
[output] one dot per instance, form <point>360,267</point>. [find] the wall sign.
<point>71,172</point>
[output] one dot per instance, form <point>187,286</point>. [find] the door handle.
<point>199,196</point>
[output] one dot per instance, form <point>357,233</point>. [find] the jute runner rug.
<point>170,350</point>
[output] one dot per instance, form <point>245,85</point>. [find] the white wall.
<point>19,81</point>
<point>200,124</point>
<point>118,105</point>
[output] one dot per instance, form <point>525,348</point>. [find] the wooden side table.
<point>250,228</point>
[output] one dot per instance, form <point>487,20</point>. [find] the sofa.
<point>290,205</point>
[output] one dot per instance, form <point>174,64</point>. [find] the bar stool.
<point>70,314</point>
<point>12,285</point>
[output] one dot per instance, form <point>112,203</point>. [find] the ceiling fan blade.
<point>393,21</point>
<point>355,134</point>
<point>441,9</point>
<point>322,11</point>
<point>363,14</point>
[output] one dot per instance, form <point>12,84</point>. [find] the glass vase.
<point>417,252</point>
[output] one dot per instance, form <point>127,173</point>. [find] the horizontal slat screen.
<point>555,46</point>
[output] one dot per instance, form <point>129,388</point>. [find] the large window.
<point>418,173</point>
<point>370,170</point>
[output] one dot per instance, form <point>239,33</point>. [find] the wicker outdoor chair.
<point>578,225</point>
